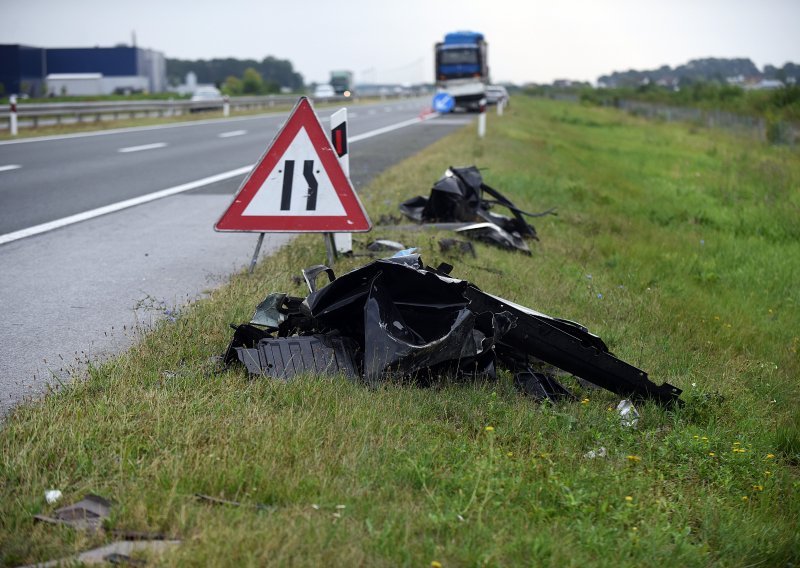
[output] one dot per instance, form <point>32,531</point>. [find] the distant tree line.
<point>265,76</point>
<point>700,70</point>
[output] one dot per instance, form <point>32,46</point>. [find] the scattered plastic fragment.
<point>460,195</point>
<point>86,514</point>
<point>600,452</point>
<point>492,234</point>
<point>628,414</point>
<point>382,245</point>
<point>52,496</point>
<point>396,317</point>
<point>118,552</point>
<point>458,246</point>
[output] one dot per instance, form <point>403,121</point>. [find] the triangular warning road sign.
<point>297,186</point>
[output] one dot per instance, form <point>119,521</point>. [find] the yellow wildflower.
<point>585,401</point>
<point>436,564</point>
<point>758,488</point>
<point>770,456</point>
<point>628,498</point>
<point>767,473</point>
<point>634,458</point>
<point>744,497</point>
<point>510,454</point>
<point>712,454</point>
<point>489,428</point>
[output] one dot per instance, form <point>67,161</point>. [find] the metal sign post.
<point>12,102</point>
<point>255,254</point>
<point>342,242</point>
<point>482,119</point>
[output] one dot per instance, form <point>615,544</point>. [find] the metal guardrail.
<point>32,115</point>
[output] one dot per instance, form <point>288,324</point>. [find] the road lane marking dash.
<point>232,133</point>
<point>142,147</point>
<point>9,167</point>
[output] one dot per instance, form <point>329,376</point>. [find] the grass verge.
<point>679,247</point>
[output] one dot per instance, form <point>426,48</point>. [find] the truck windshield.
<point>458,57</point>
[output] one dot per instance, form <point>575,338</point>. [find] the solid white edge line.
<point>9,167</point>
<point>120,205</point>
<point>391,127</point>
<point>152,146</point>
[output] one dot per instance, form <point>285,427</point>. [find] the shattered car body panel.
<point>460,196</point>
<point>493,234</point>
<point>286,357</point>
<point>405,319</point>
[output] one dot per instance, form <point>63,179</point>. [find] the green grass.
<point>679,247</point>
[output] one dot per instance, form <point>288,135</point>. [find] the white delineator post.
<point>482,119</point>
<point>500,104</point>
<point>226,105</point>
<point>12,117</point>
<point>343,241</point>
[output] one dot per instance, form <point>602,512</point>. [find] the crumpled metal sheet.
<point>461,195</point>
<point>410,320</point>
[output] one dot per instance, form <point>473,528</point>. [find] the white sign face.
<point>296,185</point>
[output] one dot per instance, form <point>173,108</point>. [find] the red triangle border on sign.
<point>355,218</point>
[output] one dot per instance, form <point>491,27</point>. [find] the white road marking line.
<point>391,127</point>
<point>9,167</point>
<point>119,206</point>
<point>142,147</point>
<point>232,133</point>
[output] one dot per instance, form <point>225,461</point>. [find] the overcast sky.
<point>386,41</point>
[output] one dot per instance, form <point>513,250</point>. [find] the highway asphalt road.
<point>72,292</point>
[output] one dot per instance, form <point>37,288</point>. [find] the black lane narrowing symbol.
<point>308,173</point>
<point>288,179</point>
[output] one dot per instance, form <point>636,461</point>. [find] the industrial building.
<point>43,71</point>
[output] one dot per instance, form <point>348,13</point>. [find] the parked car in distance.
<point>324,91</point>
<point>495,94</point>
<point>210,95</point>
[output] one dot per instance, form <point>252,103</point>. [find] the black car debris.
<point>396,317</point>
